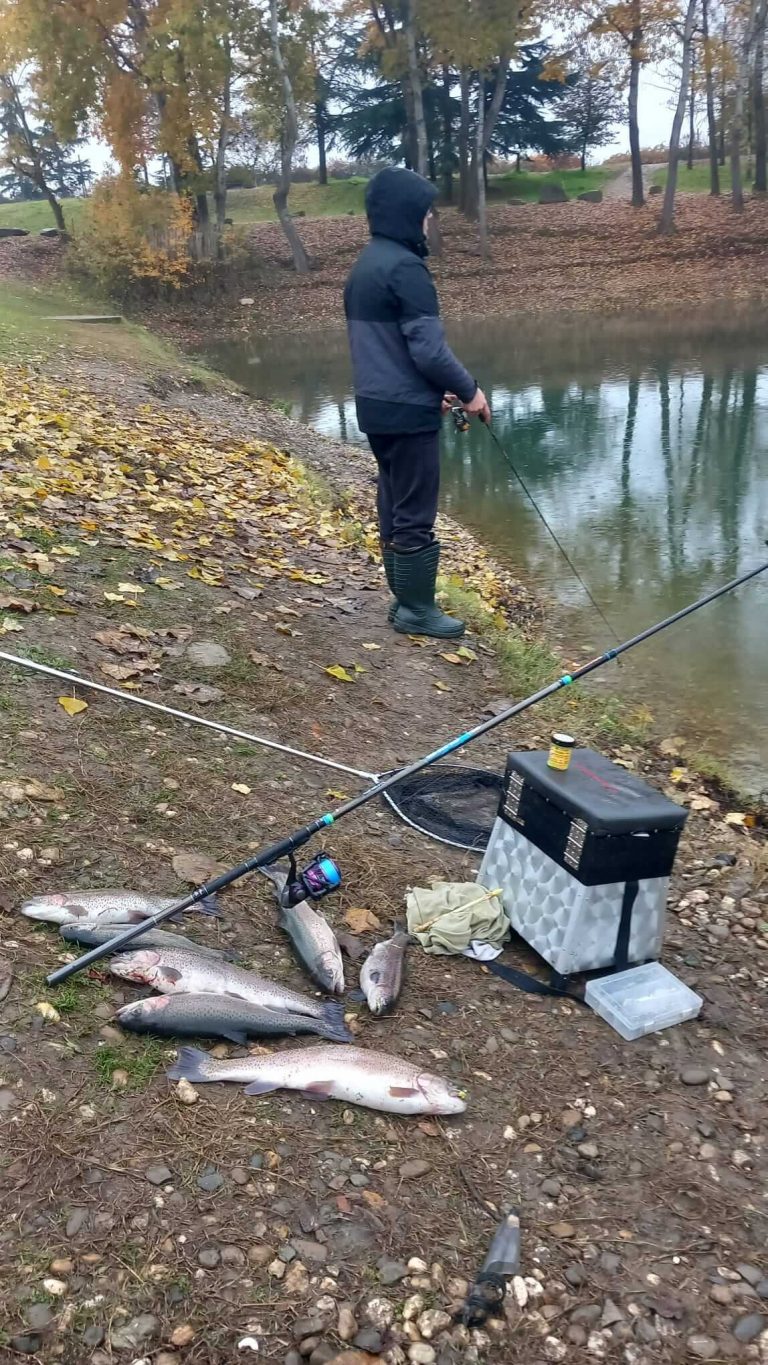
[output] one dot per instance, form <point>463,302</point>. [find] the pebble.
<point>411,1170</point>
<point>308,1327</point>
<point>232,1255</point>
<point>77,1219</point>
<point>310,1251</point>
<point>380,1313</point>
<point>292,1358</point>
<point>296,1282</point>
<point>166,1358</point>
<point>577,1335</point>
<point>610,1262</point>
<point>55,1287</point>
<point>695,1075</point>
<point>239,1175</point>
<point>562,1229</point>
<point>62,1267</point>
<point>646,1332</point>
<point>207,654</point>
<point>750,1273</point>
<point>552,1187</point>
<point>368,1339</point>
<point>256,1162</point>
<point>259,1255</point>
<point>209,1257</point>
<point>210,1181</point>
<point>185,1092</point>
<point>39,1315</point>
<point>130,1334</point>
<point>27,1344</point>
<point>391,1272</point>
<point>276,1269</point>
<point>704,1348</point>
<point>611,1314</point>
<point>323,1354</point>
<point>588,1150</point>
<point>93,1335</point>
<point>555,1349</point>
<point>287,1253</point>
<point>707,1151</point>
<point>158,1175</point>
<point>183,1335</point>
<point>721,1293</point>
<point>747,1328</point>
<point>347,1324</point>
<point>574,1275</point>
<point>417,1267</point>
<point>421,1353</point>
<point>431,1322</point>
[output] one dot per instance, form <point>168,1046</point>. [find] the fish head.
<point>51,906</point>
<point>329,969</point>
<point>141,966</point>
<point>138,1010</point>
<point>379,999</point>
<point>442,1096</point>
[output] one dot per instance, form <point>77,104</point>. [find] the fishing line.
<point>285,847</point>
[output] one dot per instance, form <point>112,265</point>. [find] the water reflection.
<point>647,451</point>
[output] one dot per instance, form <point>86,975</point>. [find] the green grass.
<point>140,1063</point>
<point>696,181</point>
<point>334,200</point>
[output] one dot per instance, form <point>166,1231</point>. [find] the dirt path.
<point>136,1227</point>
<point>621,187</point>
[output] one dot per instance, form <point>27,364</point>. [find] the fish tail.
<point>277,875</point>
<point>191,1064</point>
<point>209,905</point>
<point>401,937</point>
<point>333,1018</point>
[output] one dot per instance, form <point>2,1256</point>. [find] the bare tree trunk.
<point>417,93</point>
<point>321,114</point>
<point>288,139</point>
<point>737,124</point>
<point>714,171</point>
<point>692,109</point>
<point>761,133</point>
<point>220,182</point>
<point>447,152</point>
<point>56,208</point>
<point>482,216</point>
<point>636,41</point>
<point>667,221</point>
<point>489,121</point>
<point>464,82</point>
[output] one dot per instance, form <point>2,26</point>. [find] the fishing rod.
<point>461,423</point>
<point>286,847</point>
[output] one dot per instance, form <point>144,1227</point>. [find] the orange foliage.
<point>132,238</point>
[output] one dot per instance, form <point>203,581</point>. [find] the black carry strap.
<point>561,986</point>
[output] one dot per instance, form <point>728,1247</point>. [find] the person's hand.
<point>479,406</point>
<point>448,402</point>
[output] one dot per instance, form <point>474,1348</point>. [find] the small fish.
<point>381,977</point>
<point>174,972</point>
<point>90,934</point>
<point>313,938</point>
<point>351,1074</point>
<point>112,907</point>
<point>220,1016</point>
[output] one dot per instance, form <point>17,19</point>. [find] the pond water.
<point>646,447</point>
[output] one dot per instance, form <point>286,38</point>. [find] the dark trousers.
<point>408,486</point>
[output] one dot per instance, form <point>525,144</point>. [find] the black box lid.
<point>607,797</point>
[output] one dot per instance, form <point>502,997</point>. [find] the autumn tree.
<point>26,148</point>
<point>592,104</point>
<point>667,220</point>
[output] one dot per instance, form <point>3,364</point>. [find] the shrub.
<point>133,240</point>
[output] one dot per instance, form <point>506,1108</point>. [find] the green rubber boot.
<point>415,578</point>
<point>388,556</point>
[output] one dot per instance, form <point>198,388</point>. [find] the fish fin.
<point>171,973</point>
<point>357,996</point>
<point>188,1065</point>
<point>261,1088</point>
<point>208,906</point>
<point>235,1036</point>
<point>318,1090</point>
<point>401,1091</point>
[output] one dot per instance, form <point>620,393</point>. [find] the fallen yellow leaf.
<point>336,671</point>
<point>451,658</point>
<point>57,592</point>
<point>73,705</point>
<point>736,817</point>
<point>465,653</point>
<point>130,588</point>
<point>241,788</point>
<point>371,646</point>
<point>337,796</point>
<point>440,685</point>
<point>8,626</point>
<point>361,921</point>
<point>114,597</point>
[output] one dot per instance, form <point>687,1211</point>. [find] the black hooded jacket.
<point>401,361</point>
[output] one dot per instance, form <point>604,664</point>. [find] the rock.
<point>239,1175</point>
<point>610,1262</point>
<point>158,1175</point>
<point>416,1266</point>
<point>646,1332</point>
<point>38,1316</point>
<point>323,1354</point>
<point>574,1275</point>
<point>391,1272</point>
<point>131,1334</point>
<point>380,1313</point>
<point>369,1340</point>
<point>287,1253</point>
<point>209,1257</point>
<point>562,1230</point>
<point>308,1327</point>
<point>16,232</point>
<point>611,1314</point>
<point>210,1181</point>
<point>232,1255</point>
<point>704,1348</point>
<point>27,1344</point>
<point>762,1289</point>
<point>431,1322</point>
<point>55,1287</point>
<point>695,1075</point>
<point>589,1150</point>
<point>166,1358</point>
<point>552,194</point>
<point>577,1335</point>
<point>421,1353</point>
<point>185,1092</point>
<point>411,1170</point>
<point>750,1273</point>
<point>183,1335</point>
<point>654,190</point>
<point>551,1187</point>
<point>310,1251</point>
<point>256,1162</point>
<point>61,1266</point>
<point>259,1255</point>
<point>591,197</point>
<point>589,1313</point>
<point>52,233</point>
<point>347,1324</point>
<point>292,1358</point>
<point>747,1328</point>
<point>721,1293</point>
<point>207,654</point>
<point>296,1282</point>
<point>93,1335</point>
<point>7,1100</point>
<point>276,1269</point>
<point>77,1220</point>
<point>555,1349</point>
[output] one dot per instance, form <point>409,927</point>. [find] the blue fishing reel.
<point>319,878</point>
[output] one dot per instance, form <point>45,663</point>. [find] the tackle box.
<point>582,858</point>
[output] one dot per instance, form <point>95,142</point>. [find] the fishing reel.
<point>319,878</point>
<point>460,418</point>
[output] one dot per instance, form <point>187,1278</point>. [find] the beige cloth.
<point>449,916</point>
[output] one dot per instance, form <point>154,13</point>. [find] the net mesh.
<point>454,805</point>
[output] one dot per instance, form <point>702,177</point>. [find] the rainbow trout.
<point>219,1016</point>
<point>313,938</point>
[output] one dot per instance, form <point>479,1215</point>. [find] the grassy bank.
<point>697,181</point>
<point>335,200</point>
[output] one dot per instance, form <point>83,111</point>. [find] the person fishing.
<point>405,377</point>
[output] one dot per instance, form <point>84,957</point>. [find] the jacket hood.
<point>397,202</point>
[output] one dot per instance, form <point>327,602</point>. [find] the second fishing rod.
<point>285,848</point>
